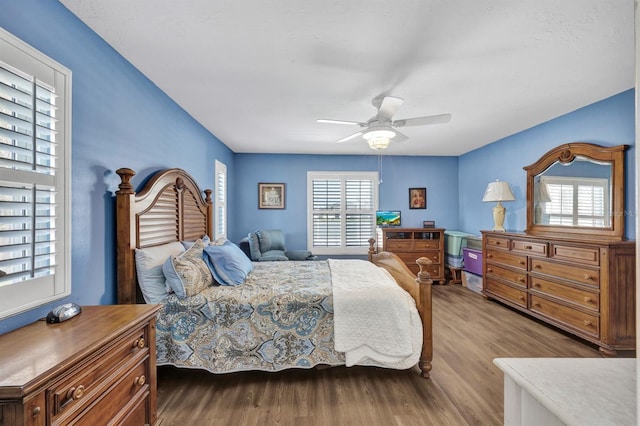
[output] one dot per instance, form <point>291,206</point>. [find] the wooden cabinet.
<point>411,243</point>
<point>96,368</point>
<point>584,287</point>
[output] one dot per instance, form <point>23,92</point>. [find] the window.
<point>341,211</point>
<point>220,201</point>
<point>577,201</point>
<point>35,126</point>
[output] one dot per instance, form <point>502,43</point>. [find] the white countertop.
<point>579,391</point>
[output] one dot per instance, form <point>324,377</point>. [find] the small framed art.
<point>417,198</point>
<point>271,195</point>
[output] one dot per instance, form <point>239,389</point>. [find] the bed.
<point>287,314</point>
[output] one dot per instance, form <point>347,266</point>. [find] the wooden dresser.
<point>96,368</point>
<point>411,243</point>
<point>584,287</point>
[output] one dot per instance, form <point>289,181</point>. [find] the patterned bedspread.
<point>281,317</point>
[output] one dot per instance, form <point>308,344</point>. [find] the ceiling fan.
<point>380,129</point>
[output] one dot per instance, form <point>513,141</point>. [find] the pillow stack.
<point>187,268</point>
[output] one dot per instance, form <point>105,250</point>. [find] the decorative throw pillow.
<point>254,246</point>
<point>187,244</point>
<point>188,274</point>
<point>228,263</point>
<point>149,262</point>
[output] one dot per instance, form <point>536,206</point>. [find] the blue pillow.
<point>228,263</point>
<point>254,246</point>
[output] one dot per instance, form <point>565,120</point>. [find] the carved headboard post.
<point>125,238</point>
<point>207,198</point>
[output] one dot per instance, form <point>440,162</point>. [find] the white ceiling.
<point>258,73</point>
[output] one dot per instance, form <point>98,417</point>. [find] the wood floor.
<point>465,387</point>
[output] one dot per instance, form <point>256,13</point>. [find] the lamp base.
<point>498,217</point>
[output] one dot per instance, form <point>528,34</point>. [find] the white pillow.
<point>149,269</point>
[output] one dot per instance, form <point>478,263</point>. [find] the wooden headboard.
<point>169,208</point>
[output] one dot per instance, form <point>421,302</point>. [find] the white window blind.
<point>342,207</point>
<point>34,158</point>
<point>577,201</point>
<point>220,201</point>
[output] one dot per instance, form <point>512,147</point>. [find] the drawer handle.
<point>36,411</point>
<point>497,243</point>
<point>528,247</point>
<point>139,381</point>
<point>489,270</point>
<point>588,276</point>
<point>587,299</point>
<point>489,255</point>
<point>139,343</point>
<point>538,266</point>
<point>537,285</point>
<point>521,297</point>
<point>537,305</point>
<point>75,393</point>
<point>521,279</point>
<point>588,322</point>
<point>522,262</point>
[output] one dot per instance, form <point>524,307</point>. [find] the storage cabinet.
<point>411,243</point>
<point>96,368</point>
<point>584,287</point>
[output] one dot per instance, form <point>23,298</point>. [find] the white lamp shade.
<point>498,191</point>
<point>542,193</point>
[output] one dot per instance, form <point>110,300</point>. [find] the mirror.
<point>578,189</point>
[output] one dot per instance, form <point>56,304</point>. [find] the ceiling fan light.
<point>379,142</point>
<point>373,134</point>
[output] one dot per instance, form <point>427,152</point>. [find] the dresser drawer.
<point>507,258</point>
<point>498,242</point>
<point>589,256</point>
<point>393,245</point>
<point>78,390</point>
<point>587,299</point>
<point>581,274</point>
<point>519,297</point>
<point>518,278</point>
<point>130,387</point>
<point>539,249</point>
<point>427,244</point>
<point>579,320</point>
<point>433,270</point>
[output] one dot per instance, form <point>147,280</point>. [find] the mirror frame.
<point>566,154</point>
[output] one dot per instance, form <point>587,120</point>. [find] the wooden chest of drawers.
<point>584,287</point>
<point>411,243</point>
<point>96,368</point>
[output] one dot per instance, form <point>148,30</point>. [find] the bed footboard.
<point>419,288</point>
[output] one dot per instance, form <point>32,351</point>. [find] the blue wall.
<point>399,173</point>
<point>120,119</point>
<point>609,122</point>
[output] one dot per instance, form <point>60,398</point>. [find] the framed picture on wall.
<point>417,198</point>
<point>271,195</point>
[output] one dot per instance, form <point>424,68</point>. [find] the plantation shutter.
<point>35,122</point>
<point>577,202</point>
<point>220,206</point>
<point>28,194</point>
<point>342,211</point>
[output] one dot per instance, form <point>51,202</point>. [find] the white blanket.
<point>375,321</point>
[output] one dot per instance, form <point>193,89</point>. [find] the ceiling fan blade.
<point>329,121</point>
<point>388,107</point>
<point>399,137</point>
<point>348,138</point>
<point>421,121</point>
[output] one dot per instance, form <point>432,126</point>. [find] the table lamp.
<point>498,191</point>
